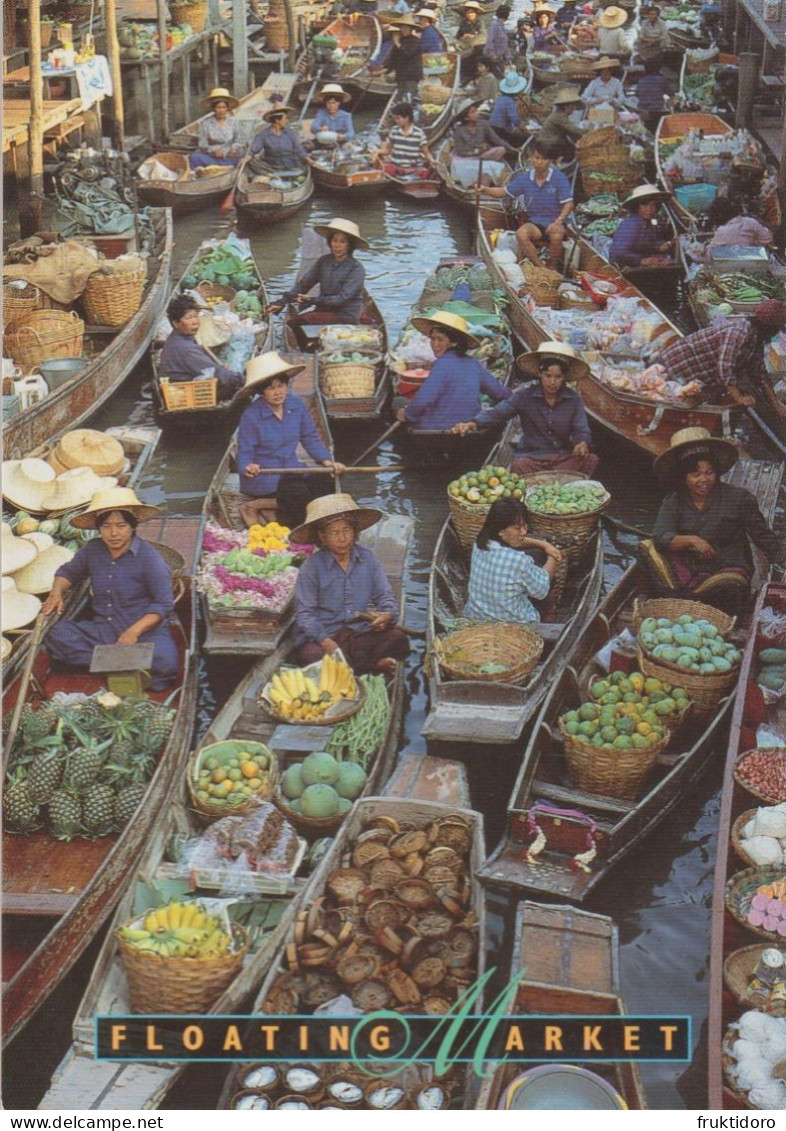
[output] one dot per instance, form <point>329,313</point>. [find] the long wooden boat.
<point>114,354</point>
<point>351,176</point>
<point>458,192</point>
<point>272,900</point>
<point>377,86</point>
<point>436,123</point>
<point>570,960</point>
<point>395,815</point>
<point>248,114</point>
<point>55,900</point>
<point>734,948</point>
<point>264,201</point>
<point>236,631</point>
<point>481,711</point>
<point>645,422</point>
<point>197,412</point>
<point>698,95</point>
<point>359,38</point>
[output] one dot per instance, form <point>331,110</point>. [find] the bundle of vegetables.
<point>694,644</point>
<point>232,575</point>
<point>224,264</point>
<point>566,498</point>
<point>248,305</point>
<point>447,278</point>
<point>358,738</point>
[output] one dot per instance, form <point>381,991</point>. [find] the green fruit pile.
<point>488,485</point>
<point>566,498</point>
<point>321,787</point>
<point>626,712</point>
<point>231,777</point>
<point>688,642</point>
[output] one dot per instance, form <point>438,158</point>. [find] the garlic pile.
<point>763,838</point>
<point>758,1052</point>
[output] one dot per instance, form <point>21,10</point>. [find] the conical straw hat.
<point>26,482</point>
<point>76,487</point>
<point>39,540</point>
<point>16,552</point>
<point>334,90</point>
<point>114,499</point>
<point>85,447</point>
<point>38,576</point>
<point>692,442</point>
<point>348,227</point>
<point>530,362</point>
<point>18,609</point>
<point>264,368</point>
<point>445,320</point>
<point>332,506</point>
<point>612,17</point>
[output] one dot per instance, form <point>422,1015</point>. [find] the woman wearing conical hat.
<point>636,243</point>
<point>218,142</point>
<point>339,276</point>
<point>331,116</point>
<point>276,146</point>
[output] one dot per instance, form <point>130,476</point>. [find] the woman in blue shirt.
<point>131,585</point>
<point>636,242</point>
<point>451,392</point>
<point>330,116</point>
<point>268,436</point>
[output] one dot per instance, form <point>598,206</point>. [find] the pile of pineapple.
<point>81,768</point>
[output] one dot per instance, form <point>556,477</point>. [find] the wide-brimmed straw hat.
<point>407,20</point>
<point>463,106</point>
<point>513,83</point>
<point>290,112</point>
<point>16,552</point>
<point>221,94</point>
<point>114,499</point>
<point>333,506</point>
<point>75,487</point>
<point>334,90</point>
<point>38,576</point>
<point>260,370</point>
<point>606,63</point>
<point>87,447</point>
<point>612,17</point>
<point>566,96</point>
<point>541,11</point>
<point>26,482</point>
<point>427,14</point>
<point>471,6</point>
<point>347,227</point>
<point>692,442</point>
<point>531,362</point>
<point>645,192</point>
<point>453,323</point>
<point>18,609</point>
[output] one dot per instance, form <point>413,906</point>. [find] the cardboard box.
<point>602,116</point>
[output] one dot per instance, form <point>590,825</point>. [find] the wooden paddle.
<point>228,203</point>
<point>35,640</point>
<point>326,470</point>
<point>388,432</point>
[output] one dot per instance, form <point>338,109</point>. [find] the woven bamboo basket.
<point>705,689</point>
<point>189,394</point>
<point>111,300</point>
<point>736,834</point>
<point>778,756</point>
<point>195,15</point>
<point>728,1062</point>
<point>612,773</point>
<point>177,567</point>
<point>349,379</point>
<point>434,93</point>
<point>158,984</point>
<point>740,890</point>
<point>218,291</point>
<point>542,284</point>
<point>600,140</point>
<point>568,532</point>
<point>515,645</point>
<point>213,811</point>
<point>467,519</point>
<point>675,607</point>
<point>43,335</point>
<point>310,827</point>
<point>738,970</point>
<point>18,301</point>
<point>276,34</point>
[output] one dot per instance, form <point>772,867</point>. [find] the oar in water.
<point>228,203</point>
<point>327,470</point>
<point>388,432</point>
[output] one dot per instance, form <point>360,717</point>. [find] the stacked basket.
<point>605,163</point>
<point>43,335</point>
<point>340,379</point>
<point>113,294</point>
<point>613,773</point>
<point>194,14</point>
<point>467,519</point>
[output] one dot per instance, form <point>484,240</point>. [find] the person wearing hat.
<point>276,146</point>
<point>544,35</point>
<point>566,16</point>
<point>605,87</point>
<point>452,390</point>
<point>405,58</point>
<point>559,133</point>
<point>339,581</point>
<point>330,116</point>
<point>652,94</point>
<point>270,430</point>
<point>183,359</point>
<point>653,39</point>
<point>505,116</point>
<point>469,24</point>
<point>475,141</point>
<point>497,47</point>
<point>700,545</point>
<point>405,147</point>
<point>218,142</point>
<point>612,39</point>
<point>131,588</point>
<point>636,242</point>
<point>555,432</point>
<point>338,275</point>
<point>431,42</point>
<point>728,357</point>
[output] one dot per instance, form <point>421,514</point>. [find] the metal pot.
<point>59,370</point>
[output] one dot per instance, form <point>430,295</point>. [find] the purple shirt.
<point>634,239</point>
<point>264,439</point>
<point>125,588</point>
<point>451,392</point>
<point>326,597</point>
<point>544,430</point>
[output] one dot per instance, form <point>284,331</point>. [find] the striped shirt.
<point>501,582</point>
<point>405,148</point>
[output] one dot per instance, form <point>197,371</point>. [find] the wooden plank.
<point>80,1082</point>
<point>422,777</point>
<point>762,478</point>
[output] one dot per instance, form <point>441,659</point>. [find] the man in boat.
<point>277,146</point>
<point>497,46</point>
<point>405,147</point>
<point>430,41</point>
<point>728,357</point>
<point>559,133</point>
<point>405,59</point>
<point>485,87</point>
<point>652,94</point>
<point>544,196</point>
<point>183,359</point>
<point>505,117</point>
<point>339,582</point>
<point>474,141</point>
<point>636,242</point>
<point>338,274</point>
<point>653,39</point>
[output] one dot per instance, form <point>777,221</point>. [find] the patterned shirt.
<point>405,148</point>
<point>717,356</point>
<point>124,589</point>
<point>340,286</point>
<point>501,582</point>
<point>728,519</point>
<point>282,151</point>
<point>544,430</point>
<point>634,239</point>
<point>451,392</point>
<point>327,597</point>
<point>264,439</point>
<point>183,359</point>
<point>542,203</point>
<point>342,122</point>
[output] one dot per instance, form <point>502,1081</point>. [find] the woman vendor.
<point>555,432</point>
<point>339,582</point>
<point>218,142</point>
<point>131,588</point>
<point>544,35</point>
<point>338,274</point>
<point>183,359</point>
<point>475,141</point>
<point>277,146</point>
<point>612,40</point>
<point>700,544</point>
<point>509,571</point>
<point>605,87</point>
<point>451,392</point>
<point>330,117</point>
<point>636,242</point>
<point>653,39</point>
<point>268,436</point>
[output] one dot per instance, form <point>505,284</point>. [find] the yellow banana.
<point>278,698</point>
<point>189,914</point>
<point>174,915</point>
<point>150,945</point>
<point>300,682</point>
<point>279,686</point>
<point>134,934</point>
<point>311,690</point>
<point>156,919</point>
<point>188,935</point>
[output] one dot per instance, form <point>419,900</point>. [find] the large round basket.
<point>310,827</point>
<point>776,756</point>
<point>462,653</point>
<point>728,1062</point>
<point>467,519</point>
<point>213,293</point>
<point>612,773</point>
<point>348,379</point>
<point>738,970</point>
<point>212,811</point>
<point>195,15</point>
<point>740,890</point>
<point>704,688</point>
<point>736,836</point>
<point>157,984</point>
<point>43,335</point>
<point>111,300</point>
<point>339,711</point>
<point>18,301</point>
<point>568,532</point>
<point>674,607</point>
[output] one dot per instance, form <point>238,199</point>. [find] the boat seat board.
<point>41,879</point>
<point>422,777</point>
<point>566,948</point>
<point>509,868</point>
<point>82,1083</point>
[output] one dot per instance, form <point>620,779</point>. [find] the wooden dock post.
<point>113,53</point>
<point>748,84</point>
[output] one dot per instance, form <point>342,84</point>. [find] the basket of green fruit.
<point>316,794</point>
<point>494,653</point>
<point>471,495</point>
<point>230,777</point>
<point>566,513</point>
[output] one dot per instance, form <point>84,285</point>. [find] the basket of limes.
<point>471,495</point>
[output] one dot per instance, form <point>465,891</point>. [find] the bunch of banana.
<point>297,697</point>
<point>179,930</point>
<point>337,679</point>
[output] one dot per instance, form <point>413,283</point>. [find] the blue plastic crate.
<point>696,198</point>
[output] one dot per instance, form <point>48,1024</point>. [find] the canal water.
<point>660,898</point>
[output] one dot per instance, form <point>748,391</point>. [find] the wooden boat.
<point>414,188</point>
<point>436,122</point>
<point>644,422</point>
<point>377,86</point>
<point>265,201</point>
<point>56,900</point>
<point>243,631</point>
<point>455,189</point>
<point>359,38</point>
<point>697,93</point>
<point>114,354</point>
<point>483,711</point>
<point>352,177</point>
<point>566,962</point>
<point>569,67</point>
<point>248,114</point>
<point>397,814</point>
<point>184,403</point>
<point>271,902</point>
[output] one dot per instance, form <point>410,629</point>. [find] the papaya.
<point>772,678</point>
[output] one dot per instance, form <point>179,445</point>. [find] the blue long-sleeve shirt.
<point>504,114</point>
<point>430,41</point>
<point>264,439</point>
<point>340,286</point>
<point>124,589</point>
<point>326,597</point>
<point>544,430</point>
<point>342,123</point>
<point>634,240</point>
<point>282,151</point>
<point>183,359</point>
<point>451,392</point>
